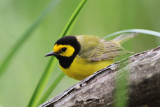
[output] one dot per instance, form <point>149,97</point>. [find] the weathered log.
<point>98,90</point>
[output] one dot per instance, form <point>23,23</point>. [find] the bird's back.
<point>95,49</point>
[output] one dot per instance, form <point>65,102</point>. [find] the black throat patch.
<point>65,62</point>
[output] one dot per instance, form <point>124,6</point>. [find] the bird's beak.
<point>50,54</point>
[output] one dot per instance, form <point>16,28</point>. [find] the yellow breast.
<point>81,68</point>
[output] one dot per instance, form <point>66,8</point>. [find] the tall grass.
<point>26,36</point>
<point>47,74</point>
<point>121,93</point>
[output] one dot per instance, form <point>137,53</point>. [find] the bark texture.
<point>98,90</point>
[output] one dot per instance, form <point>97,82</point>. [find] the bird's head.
<point>65,49</point>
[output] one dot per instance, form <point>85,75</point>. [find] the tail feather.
<point>124,37</point>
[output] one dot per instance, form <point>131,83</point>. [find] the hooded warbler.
<point>81,56</point>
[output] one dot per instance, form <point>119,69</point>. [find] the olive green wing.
<point>96,49</point>
<point>108,50</point>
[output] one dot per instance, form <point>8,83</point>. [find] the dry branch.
<point>98,90</point>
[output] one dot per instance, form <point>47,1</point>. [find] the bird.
<point>81,56</point>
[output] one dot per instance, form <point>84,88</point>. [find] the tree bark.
<point>98,90</point>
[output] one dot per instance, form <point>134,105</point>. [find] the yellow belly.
<point>81,68</point>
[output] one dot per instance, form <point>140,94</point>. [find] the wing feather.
<point>96,49</point>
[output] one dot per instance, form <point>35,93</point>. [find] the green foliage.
<point>24,37</point>
<point>22,50</point>
<point>47,74</point>
<point>121,92</point>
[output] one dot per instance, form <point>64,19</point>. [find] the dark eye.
<point>64,49</point>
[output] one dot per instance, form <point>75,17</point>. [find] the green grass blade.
<point>42,82</point>
<point>25,36</point>
<point>121,88</point>
<point>41,85</point>
<point>72,19</point>
<point>52,87</point>
<point>144,31</point>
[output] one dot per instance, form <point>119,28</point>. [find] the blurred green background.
<point>98,17</point>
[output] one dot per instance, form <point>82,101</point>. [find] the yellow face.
<point>63,50</point>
